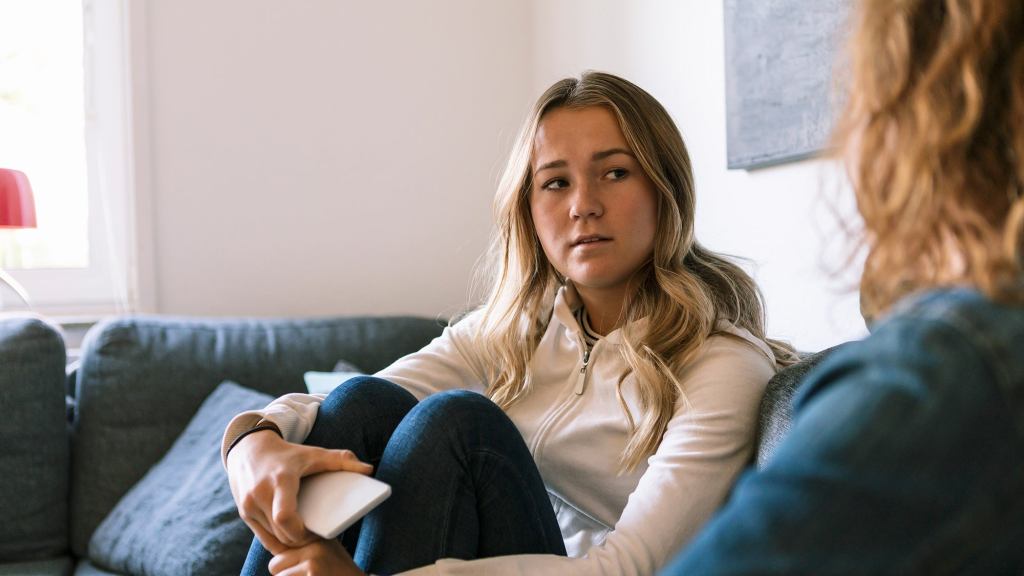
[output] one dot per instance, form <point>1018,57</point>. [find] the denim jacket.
<point>906,456</point>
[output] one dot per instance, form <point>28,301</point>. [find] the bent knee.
<point>459,406</point>
<point>365,392</point>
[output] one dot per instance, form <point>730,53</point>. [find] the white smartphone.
<point>330,502</point>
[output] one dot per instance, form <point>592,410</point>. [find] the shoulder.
<point>992,328</point>
<point>464,329</point>
<point>728,348</point>
<point>954,350</point>
<point>952,329</point>
<point>726,370</point>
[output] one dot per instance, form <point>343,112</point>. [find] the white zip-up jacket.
<point>576,429</point>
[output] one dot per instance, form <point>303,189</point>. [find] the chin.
<point>594,283</point>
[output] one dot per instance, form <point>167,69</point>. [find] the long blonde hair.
<point>933,138</point>
<point>682,292</point>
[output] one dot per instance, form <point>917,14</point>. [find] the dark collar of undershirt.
<point>590,337</point>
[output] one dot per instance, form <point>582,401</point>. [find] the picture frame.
<point>781,95</point>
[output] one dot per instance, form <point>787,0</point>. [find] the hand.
<point>322,557</point>
<point>264,472</point>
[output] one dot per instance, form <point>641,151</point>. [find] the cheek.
<point>544,230</point>
<point>542,221</point>
<point>646,222</point>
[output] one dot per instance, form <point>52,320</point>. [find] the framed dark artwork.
<point>779,81</point>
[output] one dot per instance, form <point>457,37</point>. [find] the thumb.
<point>324,460</point>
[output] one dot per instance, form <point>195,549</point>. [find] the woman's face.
<point>593,206</point>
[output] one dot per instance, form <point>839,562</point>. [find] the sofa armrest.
<point>142,378</point>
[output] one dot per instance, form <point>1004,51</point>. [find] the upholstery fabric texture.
<point>180,519</point>
<point>34,451</point>
<point>51,567</point>
<point>86,568</point>
<point>142,379</point>
<point>777,404</point>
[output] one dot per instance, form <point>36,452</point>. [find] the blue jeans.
<point>906,456</point>
<point>463,483</point>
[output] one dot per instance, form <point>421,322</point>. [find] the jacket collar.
<point>567,302</point>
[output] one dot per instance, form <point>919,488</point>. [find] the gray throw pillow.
<point>180,518</point>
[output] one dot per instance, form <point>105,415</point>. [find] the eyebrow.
<point>596,156</point>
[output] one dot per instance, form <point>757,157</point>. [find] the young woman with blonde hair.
<point>586,419</point>
<point>906,454</point>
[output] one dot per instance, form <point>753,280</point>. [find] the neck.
<point>604,308</point>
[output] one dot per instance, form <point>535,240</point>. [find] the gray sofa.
<point>106,470</point>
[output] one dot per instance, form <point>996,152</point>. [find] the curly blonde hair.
<point>933,140</point>
<point>683,291</point>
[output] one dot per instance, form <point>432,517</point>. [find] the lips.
<point>589,239</point>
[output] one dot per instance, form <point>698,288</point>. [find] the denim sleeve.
<point>902,459</point>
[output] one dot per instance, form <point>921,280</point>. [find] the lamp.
<point>17,210</point>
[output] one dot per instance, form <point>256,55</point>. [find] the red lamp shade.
<point>17,209</point>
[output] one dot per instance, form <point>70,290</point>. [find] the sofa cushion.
<point>180,518</point>
<point>34,453</point>
<point>86,568</point>
<point>777,404</point>
<point>52,567</point>
<point>142,378</point>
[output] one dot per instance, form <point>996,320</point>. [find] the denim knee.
<point>462,414</point>
<point>364,394</point>
<point>458,406</point>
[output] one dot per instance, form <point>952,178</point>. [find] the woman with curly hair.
<point>906,453</point>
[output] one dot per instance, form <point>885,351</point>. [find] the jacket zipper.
<point>581,380</point>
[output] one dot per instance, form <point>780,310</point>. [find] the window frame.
<point>109,284</point>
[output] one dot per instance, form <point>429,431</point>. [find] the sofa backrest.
<point>142,378</point>
<point>34,454</point>
<point>777,404</point>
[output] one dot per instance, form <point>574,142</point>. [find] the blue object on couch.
<point>34,455</point>
<point>184,502</point>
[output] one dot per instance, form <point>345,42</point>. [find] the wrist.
<point>262,426</point>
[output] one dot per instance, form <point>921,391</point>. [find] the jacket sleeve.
<point>708,442</point>
<point>450,361</point>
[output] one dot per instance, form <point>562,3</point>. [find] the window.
<point>64,121</point>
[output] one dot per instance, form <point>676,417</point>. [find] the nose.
<point>585,203</point>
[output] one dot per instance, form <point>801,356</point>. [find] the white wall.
<point>322,157</point>
<point>775,217</point>
<point>335,157</point>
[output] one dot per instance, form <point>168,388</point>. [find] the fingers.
<point>267,538</point>
<point>322,557</point>
<point>252,475</point>
<point>280,563</point>
<point>253,516</point>
<point>289,562</point>
<point>264,476</point>
<point>324,460</point>
<point>287,524</point>
<point>277,504</point>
